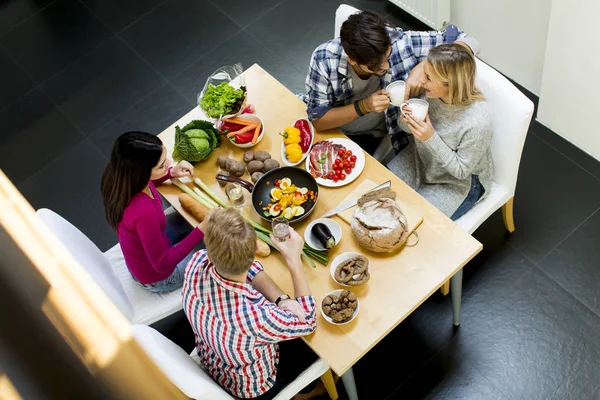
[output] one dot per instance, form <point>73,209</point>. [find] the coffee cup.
<point>396,90</point>
<point>418,108</point>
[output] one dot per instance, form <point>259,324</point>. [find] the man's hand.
<point>422,130</point>
<point>291,249</point>
<point>294,307</point>
<point>414,85</point>
<point>183,168</point>
<point>378,101</point>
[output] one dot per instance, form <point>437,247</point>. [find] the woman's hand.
<point>183,168</point>
<point>422,130</point>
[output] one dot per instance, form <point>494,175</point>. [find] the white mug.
<point>396,90</point>
<point>418,108</point>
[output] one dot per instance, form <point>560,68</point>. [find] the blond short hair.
<point>230,242</point>
<point>454,66</point>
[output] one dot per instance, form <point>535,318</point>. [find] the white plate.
<point>304,155</point>
<point>337,261</point>
<point>253,118</point>
<point>358,168</point>
<point>334,227</point>
<point>337,293</point>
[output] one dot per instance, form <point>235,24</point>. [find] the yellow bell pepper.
<point>294,152</point>
<point>290,135</point>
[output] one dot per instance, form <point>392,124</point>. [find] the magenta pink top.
<point>148,252</point>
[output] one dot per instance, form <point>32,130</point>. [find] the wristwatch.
<point>282,297</point>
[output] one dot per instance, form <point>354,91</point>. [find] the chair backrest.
<point>511,114</point>
<point>178,366</point>
<point>89,257</point>
<point>341,14</point>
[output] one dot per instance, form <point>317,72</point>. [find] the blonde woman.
<point>448,160</point>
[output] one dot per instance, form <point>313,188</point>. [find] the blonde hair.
<point>230,242</point>
<point>454,66</point>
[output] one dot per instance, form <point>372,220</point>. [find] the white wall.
<point>570,93</point>
<point>512,34</point>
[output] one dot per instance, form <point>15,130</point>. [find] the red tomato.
<point>335,178</point>
<point>341,152</point>
<point>342,176</point>
<point>330,175</point>
<point>349,153</point>
<point>336,167</point>
<point>348,170</point>
<point>342,164</point>
<point>353,159</point>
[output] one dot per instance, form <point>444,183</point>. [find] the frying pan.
<point>261,190</point>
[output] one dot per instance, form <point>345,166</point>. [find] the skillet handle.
<point>232,179</point>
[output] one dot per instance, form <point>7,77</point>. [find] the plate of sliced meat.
<point>335,162</point>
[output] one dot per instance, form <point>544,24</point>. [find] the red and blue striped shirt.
<point>237,328</point>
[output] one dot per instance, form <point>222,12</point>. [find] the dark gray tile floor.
<point>74,74</point>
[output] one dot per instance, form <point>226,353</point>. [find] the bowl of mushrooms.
<point>340,306</point>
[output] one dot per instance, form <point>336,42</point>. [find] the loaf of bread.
<point>383,193</point>
<point>379,225</point>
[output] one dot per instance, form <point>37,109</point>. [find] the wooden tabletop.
<point>399,282</point>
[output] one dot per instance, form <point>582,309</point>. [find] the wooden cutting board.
<point>413,217</point>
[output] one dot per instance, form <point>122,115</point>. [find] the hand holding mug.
<point>378,101</point>
<point>422,130</point>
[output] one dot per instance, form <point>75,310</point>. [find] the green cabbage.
<point>195,141</point>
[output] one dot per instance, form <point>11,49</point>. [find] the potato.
<point>262,249</point>
<point>222,161</point>
<point>256,176</point>
<point>254,166</point>
<point>235,168</point>
<point>270,164</point>
<point>223,173</point>
<point>248,156</point>
<point>261,156</point>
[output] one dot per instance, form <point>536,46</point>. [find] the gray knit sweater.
<point>440,169</point>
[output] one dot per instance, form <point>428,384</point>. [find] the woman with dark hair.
<point>133,208</point>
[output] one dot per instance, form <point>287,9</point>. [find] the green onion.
<point>189,191</point>
<point>205,197</point>
<point>204,187</point>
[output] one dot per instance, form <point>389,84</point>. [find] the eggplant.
<point>323,235</point>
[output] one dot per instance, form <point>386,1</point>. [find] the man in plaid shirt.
<point>348,75</point>
<point>239,315</point>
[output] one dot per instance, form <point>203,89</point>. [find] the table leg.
<point>456,292</point>
<point>350,385</point>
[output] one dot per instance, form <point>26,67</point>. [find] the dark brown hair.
<point>133,156</point>
<point>365,38</point>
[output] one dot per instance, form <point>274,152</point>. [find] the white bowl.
<point>253,118</point>
<point>340,259</point>
<point>337,293</point>
<point>304,155</point>
<point>334,227</point>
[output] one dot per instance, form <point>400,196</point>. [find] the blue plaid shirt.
<point>329,85</point>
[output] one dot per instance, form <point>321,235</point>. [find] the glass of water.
<point>236,195</point>
<point>281,228</point>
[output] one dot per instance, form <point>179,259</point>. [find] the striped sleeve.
<point>423,41</point>
<point>255,268</point>
<point>318,86</point>
<point>277,324</point>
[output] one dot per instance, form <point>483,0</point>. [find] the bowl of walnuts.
<point>340,306</point>
<point>350,269</point>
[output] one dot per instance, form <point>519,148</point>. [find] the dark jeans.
<point>294,357</point>
<point>477,191</point>
<point>367,142</point>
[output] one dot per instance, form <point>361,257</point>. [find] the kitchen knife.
<point>351,203</point>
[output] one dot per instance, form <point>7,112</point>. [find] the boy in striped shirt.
<point>238,313</point>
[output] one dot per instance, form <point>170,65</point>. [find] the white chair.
<point>184,371</point>
<point>111,274</point>
<point>511,114</point>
